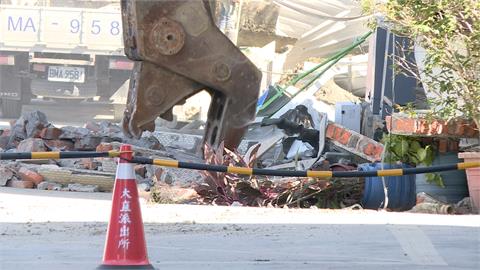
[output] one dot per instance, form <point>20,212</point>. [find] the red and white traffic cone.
<point>125,246</point>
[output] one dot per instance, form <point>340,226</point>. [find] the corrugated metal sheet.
<point>322,27</point>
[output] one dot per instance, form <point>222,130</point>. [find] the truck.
<point>60,53</point>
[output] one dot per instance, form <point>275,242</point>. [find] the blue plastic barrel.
<point>456,187</point>
<point>401,189</point>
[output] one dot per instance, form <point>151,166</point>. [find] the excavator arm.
<point>179,51</point>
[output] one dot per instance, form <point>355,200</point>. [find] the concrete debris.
<point>31,145</point>
<point>20,184</point>
<point>88,164</point>
<point>107,165</point>
<point>465,206</point>
<point>144,186</point>
<point>51,133</point>
<point>72,133</point>
<point>6,174</point>
<point>149,142</point>
<point>163,193</point>
<point>34,123</point>
<point>87,143</point>
<point>32,133</point>
<point>59,145</point>
<point>29,125</point>
<point>82,188</point>
<point>49,186</point>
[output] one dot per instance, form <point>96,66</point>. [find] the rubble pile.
<point>337,149</point>
<point>33,133</point>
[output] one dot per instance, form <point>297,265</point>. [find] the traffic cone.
<point>125,246</point>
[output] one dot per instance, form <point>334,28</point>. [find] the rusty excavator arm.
<point>179,51</point>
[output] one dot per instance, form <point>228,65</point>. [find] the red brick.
<point>20,184</point>
<point>422,127</point>
<point>51,133</point>
<point>338,133</point>
<point>453,146</point>
<point>345,137</point>
<point>442,145</point>
<point>378,152</point>
<point>330,131</point>
<point>404,125</point>
<point>369,149</point>
<point>59,145</point>
<point>31,145</point>
<point>29,175</point>
<point>104,147</point>
<point>436,128</point>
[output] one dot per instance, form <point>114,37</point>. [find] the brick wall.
<point>354,142</point>
<point>404,125</point>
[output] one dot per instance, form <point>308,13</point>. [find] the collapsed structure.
<point>327,114</point>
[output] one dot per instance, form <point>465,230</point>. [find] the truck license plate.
<point>66,74</point>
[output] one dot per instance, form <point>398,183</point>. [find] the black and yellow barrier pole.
<point>242,170</point>
<point>316,174</point>
<point>57,155</point>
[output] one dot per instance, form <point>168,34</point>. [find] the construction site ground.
<point>66,230</point>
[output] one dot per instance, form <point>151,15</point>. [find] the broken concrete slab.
<point>34,123</point>
<point>104,183</point>
<point>49,186</point>
<point>71,133</point>
<point>82,188</point>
